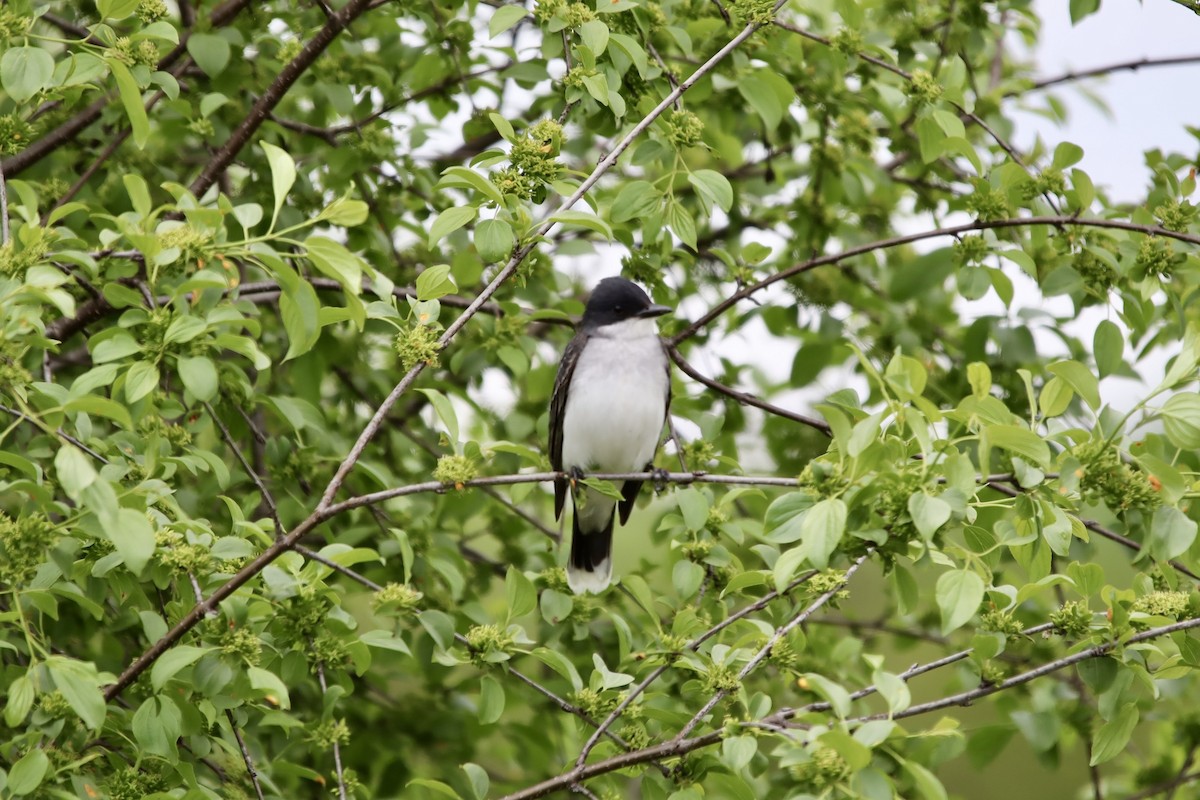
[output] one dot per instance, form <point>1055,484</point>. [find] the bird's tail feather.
<point>589,567</point>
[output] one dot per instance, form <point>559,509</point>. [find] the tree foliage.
<point>282,287</point>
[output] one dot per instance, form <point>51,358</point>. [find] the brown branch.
<point>765,650</point>
<point>68,130</point>
<point>675,748</point>
<point>1096,527</point>
<point>1123,66</point>
<point>274,94</point>
<point>896,241</point>
<point>250,770</point>
<point>744,398</point>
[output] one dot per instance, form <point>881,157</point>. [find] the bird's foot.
<point>576,476</point>
<point>660,476</point>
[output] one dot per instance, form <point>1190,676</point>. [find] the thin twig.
<point>744,398</point>
<point>337,747</point>
<point>250,471</point>
<point>60,433</point>
<point>250,770</point>
<point>693,646</point>
<point>897,241</point>
<point>1171,61</point>
<point>1096,527</point>
<point>675,748</point>
<point>3,207</point>
<point>765,650</point>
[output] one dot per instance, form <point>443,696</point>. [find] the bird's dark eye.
<point>618,309</point>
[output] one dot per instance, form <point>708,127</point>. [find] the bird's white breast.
<point>616,404</point>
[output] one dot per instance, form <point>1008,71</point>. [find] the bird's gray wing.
<point>558,411</point>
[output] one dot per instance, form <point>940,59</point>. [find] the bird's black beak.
<point>654,311</point>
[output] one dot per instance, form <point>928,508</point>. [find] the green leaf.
<point>336,261</point>
<point>1055,397</point>
<point>1171,533</point>
<point>80,685</point>
<point>694,507</point>
<point>686,577</point>
<point>25,71</point>
<point>300,311</point>
<point>635,200</point>
<point>582,219</point>
<point>494,240</point>
<point>1108,348</point>
<point>29,771</point>
<point>1021,441</point>
<point>505,17</point>
<point>438,625</point>
<point>449,221</point>
<point>763,92</point>
<point>1110,739</point>
<point>1181,420</point>
<point>1081,379</point>
<point>437,786</point>
<point>519,591</point>
<point>171,662</point>
<point>736,751</point>
<point>140,380</point>
<point>609,679</point>
<point>20,700</point>
<point>210,52</point>
<point>74,470</point>
<point>714,186</point>
<point>131,99</point>
<point>116,9</point>
<point>928,513</point>
<point>491,700</point>
<point>283,175</point>
<point>199,376</point>
<point>156,725</point>
<point>346,212</point>
<point>435,282</point>
<point>959,593</point>
<point>132,535</point>
<point>466,178</point>
<point>559,663</point>
<point>594,35</point>
<point>270,685</point>
<point>822,530</point>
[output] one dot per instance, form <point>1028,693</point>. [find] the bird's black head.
<point>616,300</point>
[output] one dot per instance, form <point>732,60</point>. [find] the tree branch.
<point>1134,66</point>
<point>259,113</point>
<point>744,398</point>
<point>222,15</point>
<point>675,748</point>
<point>896,241</point>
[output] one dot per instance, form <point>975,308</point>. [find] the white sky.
<point>1150,107</point>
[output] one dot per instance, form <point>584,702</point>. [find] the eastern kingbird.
<point>606,415</point>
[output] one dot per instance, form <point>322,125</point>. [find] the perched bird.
<point>606,415</point>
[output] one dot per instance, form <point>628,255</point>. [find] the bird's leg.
<point>660,476</point>
<point>576,476</point>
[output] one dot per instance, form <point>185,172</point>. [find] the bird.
<point>610,400</point>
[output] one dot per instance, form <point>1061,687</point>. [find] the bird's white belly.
<point>616,405</point>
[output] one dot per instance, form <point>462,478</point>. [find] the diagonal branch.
<point>744,398</point>
<point>896,241</point>
<point>274,93</point>
<point>675,748</point>
<point>1134,66</point>
<point>765,650</point>
<point>694,646</point>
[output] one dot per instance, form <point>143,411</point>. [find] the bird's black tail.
<point>589,568</point>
